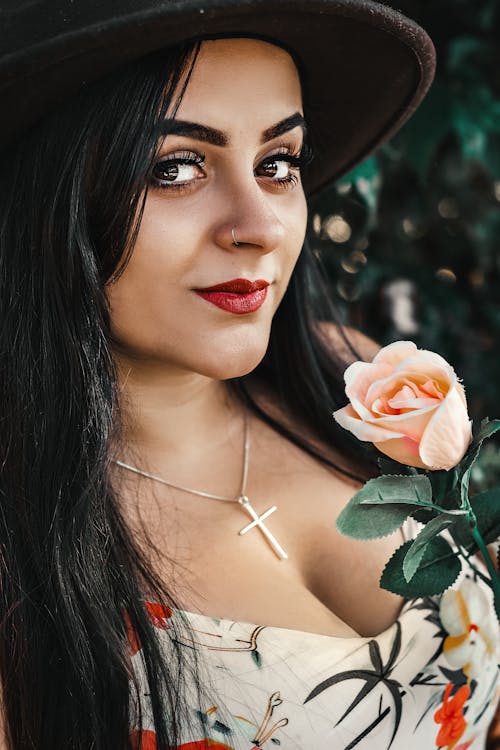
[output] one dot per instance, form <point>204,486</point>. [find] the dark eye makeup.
<point>166,170</point>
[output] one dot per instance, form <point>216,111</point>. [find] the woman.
<point>165,356</point>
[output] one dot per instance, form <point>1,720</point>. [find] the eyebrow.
<point>219,138</point>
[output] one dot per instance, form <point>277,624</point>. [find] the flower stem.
<point>468,557</point>
<point>495,583</point>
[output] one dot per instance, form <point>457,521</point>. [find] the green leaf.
<point>424,515</point>
<point>467,461</point>
<point>462,534</point>
<point>486,429</point>
<point>416,552</point>
<point>486,508</point>
<point>438,570</point>
<point>442,483</point>
<point>371,522</point>
<point>381,506</point>
<point>397,488</point>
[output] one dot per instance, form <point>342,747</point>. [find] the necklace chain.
<point>208,495</point>
<point>242,499</point>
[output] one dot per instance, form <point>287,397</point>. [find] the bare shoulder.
<point>348,343</point>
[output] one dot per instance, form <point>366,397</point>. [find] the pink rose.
<point>409,403</point>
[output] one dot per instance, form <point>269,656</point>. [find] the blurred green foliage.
<point>411,238</point>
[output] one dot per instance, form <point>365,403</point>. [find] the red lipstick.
<point>238,296</point>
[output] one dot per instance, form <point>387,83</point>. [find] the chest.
<point>328,584</point>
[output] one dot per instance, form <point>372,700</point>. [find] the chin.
<point>233,364</point>
<point>231,353</point>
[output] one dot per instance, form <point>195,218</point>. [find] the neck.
<point>174,414</point>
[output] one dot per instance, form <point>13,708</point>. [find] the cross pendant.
<point>257,523</point>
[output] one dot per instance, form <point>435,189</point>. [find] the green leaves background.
<point>425,211</point>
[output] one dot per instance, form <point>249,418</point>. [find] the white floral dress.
<point>431,680</point>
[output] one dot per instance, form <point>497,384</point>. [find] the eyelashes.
<point>296,162</point>
<point>166,171</point>
<point>181,170</point>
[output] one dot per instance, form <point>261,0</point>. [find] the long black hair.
<point>71,575</point>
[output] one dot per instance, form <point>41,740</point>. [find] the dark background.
<point>411,238</point>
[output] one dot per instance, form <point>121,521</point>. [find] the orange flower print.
<point>158,614</point>
<point>133,638</point>
<point>143,741</point>
<point>205,744</point>
<point>148,742</point>
<point>451,717</point>
<point>159,617</point>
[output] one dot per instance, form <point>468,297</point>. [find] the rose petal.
<point>401,449</point>
<point>402,402</point>
<point>393,383</point>
<point>447,435</point>
<point>413,404</point>
<point>426,357</point>
<point>411,425</point>
<point>381,408</point>
<point>348,418</point>
<point>358,378</point>
<point>412,397</point>
<point>393,353</point>
<point>429,387</point>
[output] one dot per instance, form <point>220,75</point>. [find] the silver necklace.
<point>241,499</point>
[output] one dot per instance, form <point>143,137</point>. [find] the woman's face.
<point>232,163</point>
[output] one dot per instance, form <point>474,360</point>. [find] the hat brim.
<point>364,67</point>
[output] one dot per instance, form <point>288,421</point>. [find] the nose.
<point>250,218</point>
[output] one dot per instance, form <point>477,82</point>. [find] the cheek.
<point>163,255</point>
<point>296,231</point>
<point>163,241</point>
<point>155,270</point>
<point>299,220</point>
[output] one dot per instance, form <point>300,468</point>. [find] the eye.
<point>178,170</point>
<point>277,168</point>
<point>283,168</point>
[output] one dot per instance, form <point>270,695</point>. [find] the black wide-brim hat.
<point>364,66</point>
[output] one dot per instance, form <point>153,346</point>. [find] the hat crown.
<point>36,21</point>
<point>364,55</point>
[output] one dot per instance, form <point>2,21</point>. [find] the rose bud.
<point>409,403</point>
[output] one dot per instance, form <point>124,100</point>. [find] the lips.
<point>237,296</point>
<point>237,286</point>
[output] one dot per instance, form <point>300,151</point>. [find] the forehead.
<point>238,77</point>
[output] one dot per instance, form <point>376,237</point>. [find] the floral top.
<point>431,680</point>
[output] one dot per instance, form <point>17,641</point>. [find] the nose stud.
<point>235,241</point>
